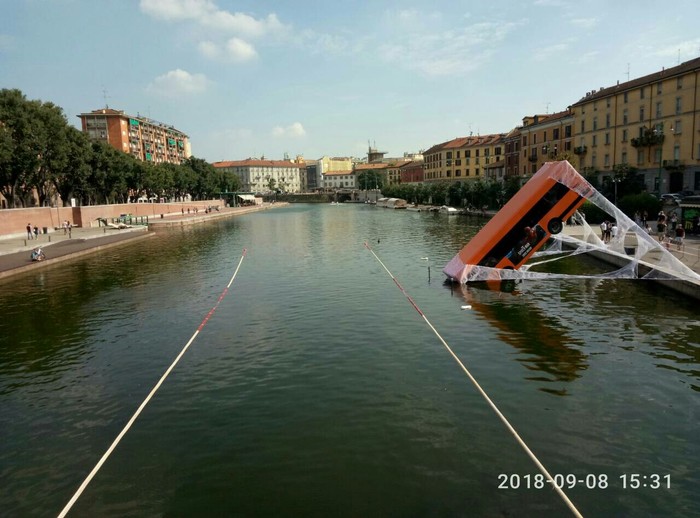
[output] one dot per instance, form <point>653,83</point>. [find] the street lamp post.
<point>659,134</point>
<point>615,182</point>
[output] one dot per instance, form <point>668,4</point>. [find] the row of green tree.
<point>625,187</point>
<point>41,155</point>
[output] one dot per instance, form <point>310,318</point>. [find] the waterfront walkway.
<point>688,254</point>
<point>15,250</point>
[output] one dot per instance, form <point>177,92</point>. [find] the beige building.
<point>462,158</point>
<point>141,137</point>
<point>544,138</point>
<point>260,175</point>
<point>651,123</point>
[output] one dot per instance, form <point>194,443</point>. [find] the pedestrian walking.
<point>29,231</point>
<point>36,232</point>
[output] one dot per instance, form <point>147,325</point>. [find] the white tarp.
<point>246,197</point>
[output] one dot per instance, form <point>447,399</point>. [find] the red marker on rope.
<point>116,441</point>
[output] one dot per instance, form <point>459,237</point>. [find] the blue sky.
<point>317,77</point>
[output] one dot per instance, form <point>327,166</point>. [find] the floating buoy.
<point>468,306</point>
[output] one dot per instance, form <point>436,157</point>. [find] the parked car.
<point>671,197</point>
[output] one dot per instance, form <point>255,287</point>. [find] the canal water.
<point>316,388</point>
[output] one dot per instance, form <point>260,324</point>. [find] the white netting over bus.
<point>637,253</point>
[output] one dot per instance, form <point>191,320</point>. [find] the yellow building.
<point>651,123</point>
<point>463,158</point>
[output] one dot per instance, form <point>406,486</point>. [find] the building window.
<point>679,83</point>
<point>658,88</point>
<point>555,133</point>
<point>624,135</point>
<point>624,97</point>
<point>641,114</point>
<point>624,157</point>
<point>677,127</point>
<point>583,126</point>
<point>606,159</point>
<point>659,110</point>
<point>657,156</point>
<point>607,102</point>
<point>567,131</point>
<point>640,157</point>
<point>595,123</point>
<point>607,138</point>
<point>641,93</point>
<point>624,116</point>
<point>595,141</point>
<point>678,105</point>
<point>677,152</point>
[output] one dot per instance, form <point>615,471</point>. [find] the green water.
<point>316,389</point>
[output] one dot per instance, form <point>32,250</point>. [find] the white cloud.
<point>176,10</point>
<point>234,50</point>
<point>179,82</point>
<point>296,130</point>
<point>207,14</point>
<point>448,52</point>
<point>209,49</point>
<point>240,51</point>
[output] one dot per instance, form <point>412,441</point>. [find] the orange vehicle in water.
<point>524,224</point>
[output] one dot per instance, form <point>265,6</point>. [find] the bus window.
<point>524,224</point>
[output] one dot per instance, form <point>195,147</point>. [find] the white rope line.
<point>126,428</point>
<point>500,415</point>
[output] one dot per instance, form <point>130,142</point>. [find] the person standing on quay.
<point>29,231</point>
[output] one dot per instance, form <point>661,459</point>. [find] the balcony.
<point>532,158</point>
<point>580,150</point>
<point>649,138</point>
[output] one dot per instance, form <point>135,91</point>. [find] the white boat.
<point>450,211</point>
<point>392,203</point>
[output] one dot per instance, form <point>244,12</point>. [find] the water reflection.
<point>549,351</point>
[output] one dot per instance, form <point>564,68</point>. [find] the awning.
<point>246,197</point>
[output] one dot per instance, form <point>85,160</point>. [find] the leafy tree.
<point>72,178</point>
<point>206,178</point>
<point>52,148</point>
<point>369,179</point>
<point>19,156</point>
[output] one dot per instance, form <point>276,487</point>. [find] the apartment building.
<point>462,158</point>
<point>340,180</point>
<point>143,138</point>
<point>255,174</point>
<point>651,123</point>
<point>543,138</point>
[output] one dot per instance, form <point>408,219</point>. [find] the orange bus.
<point>525,223</point>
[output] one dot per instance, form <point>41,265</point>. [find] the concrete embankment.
<point>59,247</point>
<point>653,261</point>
